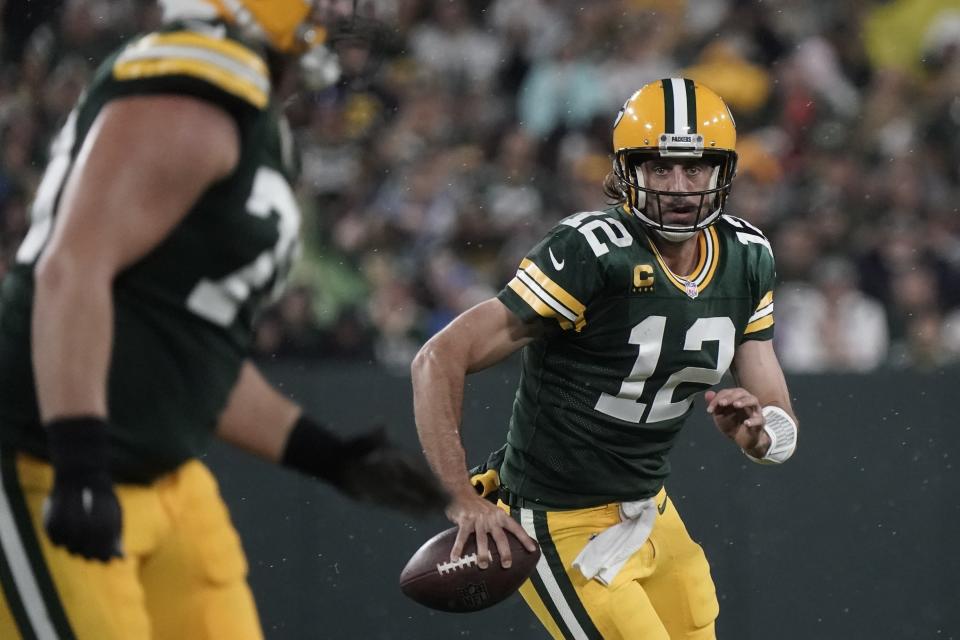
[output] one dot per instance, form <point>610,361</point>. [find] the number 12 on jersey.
<point>648,336</point>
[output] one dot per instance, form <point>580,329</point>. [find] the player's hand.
<point>477,516</point>
<point>377,472</point>
<point>82,513</point>
<point>738,415</point>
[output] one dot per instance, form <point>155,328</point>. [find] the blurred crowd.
<point>472,126</point>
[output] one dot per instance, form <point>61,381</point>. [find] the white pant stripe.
<point>550,582</point>
<point>26,582</point>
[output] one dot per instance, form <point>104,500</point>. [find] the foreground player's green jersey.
<point>183,314</point>
<point>627,344</point>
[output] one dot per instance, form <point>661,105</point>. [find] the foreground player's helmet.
<point>674,118</point>
<point>288,26</point>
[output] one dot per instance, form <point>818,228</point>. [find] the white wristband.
<point>783,436</point>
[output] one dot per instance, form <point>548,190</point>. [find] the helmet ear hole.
<point>632,184</point>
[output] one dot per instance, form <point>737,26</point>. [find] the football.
<point>435,581</point>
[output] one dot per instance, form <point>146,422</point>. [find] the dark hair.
<point>612,189</point>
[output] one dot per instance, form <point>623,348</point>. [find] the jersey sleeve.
<point>555,282</point>
<point>204,64</point>
<point>762,280</point>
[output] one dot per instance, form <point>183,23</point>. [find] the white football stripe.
<point>17,559</point>
<point>198,54</point>
<point>546,297</point>
<point>550,582</point>
<point>767,310</point>
<point>679,106</point>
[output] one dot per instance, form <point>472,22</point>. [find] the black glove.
<point>382,474</point>
<point>367,468</point>
<point>82,513</point>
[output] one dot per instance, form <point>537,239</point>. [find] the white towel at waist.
<point>604,556</point>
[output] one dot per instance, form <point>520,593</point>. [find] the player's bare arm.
<point>738,411</point>
<point>477,339</point>
<point>257,418</point>
<point>145,162</point>
<point>367,467</point>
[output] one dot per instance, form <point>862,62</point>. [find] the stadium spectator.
<point>830,325</point>
<point>847,113</point>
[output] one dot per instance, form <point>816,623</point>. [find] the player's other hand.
<point>476,516</point>
<point>82,513</point>
<point>380,473</point>
<point>738,415</point>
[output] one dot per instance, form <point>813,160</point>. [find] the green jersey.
<point>626,345</point>
<point>183,314</point>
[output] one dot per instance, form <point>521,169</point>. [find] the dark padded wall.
<point>855,538</point>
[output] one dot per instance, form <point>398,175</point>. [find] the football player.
<point>624,315</point>
<point>164,222</point>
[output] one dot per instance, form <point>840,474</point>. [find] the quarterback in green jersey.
<point>164,222</point>
<point>623,315</point>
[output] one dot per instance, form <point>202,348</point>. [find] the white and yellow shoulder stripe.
<point>224,63</point>
<point>546,297</point>
<point>763,316</point>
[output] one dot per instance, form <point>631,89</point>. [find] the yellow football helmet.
<point>288,26</point>
<point>674,118</point>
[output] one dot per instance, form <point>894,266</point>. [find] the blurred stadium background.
<point>475,125</point>
<point>436,163</point>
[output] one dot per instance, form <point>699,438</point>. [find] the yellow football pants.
<point>663,592</point>
<point>182,576</point>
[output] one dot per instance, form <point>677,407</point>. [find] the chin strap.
<point>674,236</point>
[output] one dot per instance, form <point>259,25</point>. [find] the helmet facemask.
<point>647,204</point>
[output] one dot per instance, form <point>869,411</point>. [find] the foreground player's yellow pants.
<point>183,574</point>
<point>663,592</point>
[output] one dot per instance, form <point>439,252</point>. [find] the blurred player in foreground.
<point>164,222</point>
<point>624,315</point>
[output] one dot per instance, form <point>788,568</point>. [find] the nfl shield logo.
<point>692,290</point>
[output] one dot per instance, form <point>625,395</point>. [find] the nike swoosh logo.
<point>557,264</point>
<point>662,507</point>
